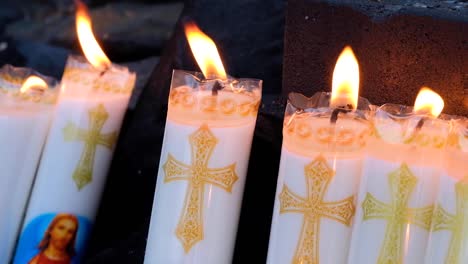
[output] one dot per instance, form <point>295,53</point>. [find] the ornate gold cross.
<point>397,214</point>
<point>202,142</point>
<point>318,176</point>
<point>457,224</point>
<point>83,174</point>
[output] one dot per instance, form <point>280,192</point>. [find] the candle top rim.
<point>320,101</point>
<point>198,76</point>
<point>226,106</point>
<point>12,79</point>
<point>81,78</point>
<point>80,62</point>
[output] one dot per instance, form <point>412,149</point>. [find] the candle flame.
<point>428,102</point>
<point>345,84</point>
<point>205,52</point>
<point>33,82</point>
<point>89,45</point>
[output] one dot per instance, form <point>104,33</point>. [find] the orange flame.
<point>33,82</point>
<point>345,84</point>
<point>89,45</point>
<point>205,52</point>
<point>428,102</point>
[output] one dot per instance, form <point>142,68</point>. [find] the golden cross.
<point>202,142</point>
<point>397,214</point>
<point>457,224</point>
<point>318,176</point>
<point>83,173</point>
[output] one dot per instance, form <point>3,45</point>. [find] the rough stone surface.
<point>380,9</point>
<point>397,55</point>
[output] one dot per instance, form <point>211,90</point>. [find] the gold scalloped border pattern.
<point>325,135</point>
<point>185,98</point>
<point>99,84</point>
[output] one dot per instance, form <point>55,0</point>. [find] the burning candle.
<point>77,154</point>
<point>399,183</point>
<point>204,161</point>
<point>448,242</point>
<point>321,160</point>
<point>25,113</point>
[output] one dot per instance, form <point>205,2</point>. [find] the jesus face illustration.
<point>58,243</point>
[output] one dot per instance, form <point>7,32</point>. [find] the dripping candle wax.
<point>323,142</point>
<point>79,147</point>
<point>204,158</point>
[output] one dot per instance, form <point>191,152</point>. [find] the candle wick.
<point>216,87</point>
<point>416,130</point>
<point>104,71</point>
<point>336,111</point>
<point>420,124</point>
<point>298,111</point>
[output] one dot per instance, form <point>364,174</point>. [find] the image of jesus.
<point>58,244</point>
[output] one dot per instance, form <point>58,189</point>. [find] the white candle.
<point>24,121</point>
<point>319,174</point>
<point>448,242</point>
<point>202,170</point>
<point>398,187</point>
<point>76,157</point>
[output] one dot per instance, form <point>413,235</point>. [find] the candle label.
<point>83,173</point>
<point>397,214</point>
<point>456,223</point>
<point>202,143</point>
<point>318,176</point>
<point>53,237</point>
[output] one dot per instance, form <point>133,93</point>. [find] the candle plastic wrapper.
<point>398,187</point>
<point>202,171</point>
<point>24,121</point>
<point>321,163</point>
<point>75,161</point>
<point>448,242</point>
